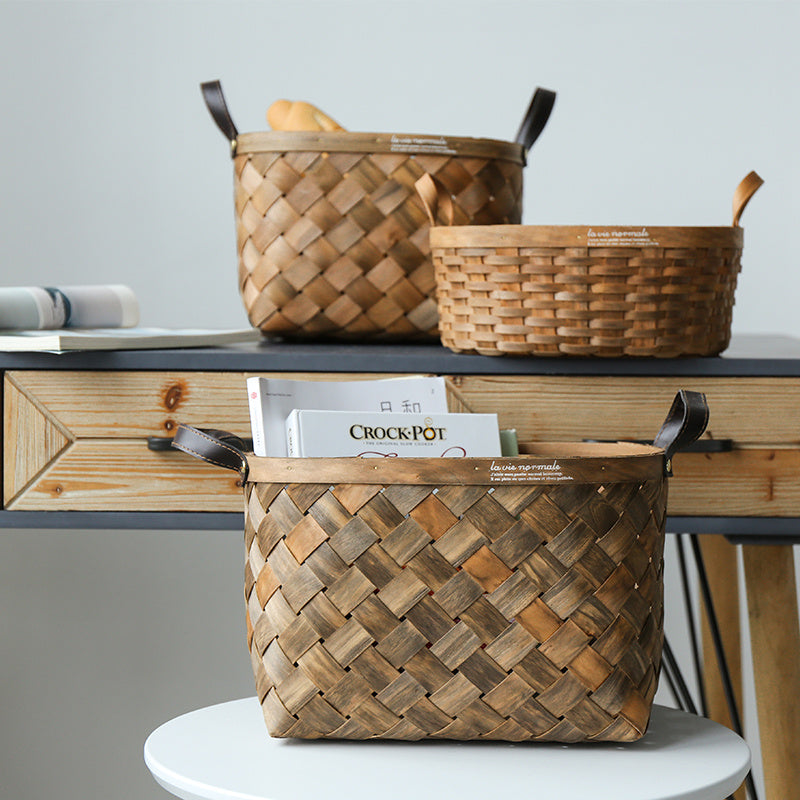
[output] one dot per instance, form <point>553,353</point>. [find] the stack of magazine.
<point>391,417</point>
<point>62,319</point>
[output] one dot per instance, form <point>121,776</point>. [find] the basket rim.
<point>592,236</point>
<point>428,144</point>
<point>543,463</point>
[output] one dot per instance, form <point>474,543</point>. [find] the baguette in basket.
<point>331,236</point>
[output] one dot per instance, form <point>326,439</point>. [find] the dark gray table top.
<point>753,355</point>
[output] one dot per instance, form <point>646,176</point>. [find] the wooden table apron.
<point>74,455</point>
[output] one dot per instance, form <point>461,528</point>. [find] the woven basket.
<point>586,291</point>
<point>509,598</point>
<point>332,238</point>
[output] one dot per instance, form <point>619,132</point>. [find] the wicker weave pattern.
<point>336,244</point>
<point>587,301</point>
<point>515,612</point>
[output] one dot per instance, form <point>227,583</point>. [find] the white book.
<point>70,339</point>
<point>273,399</point>
<point>332,434</point>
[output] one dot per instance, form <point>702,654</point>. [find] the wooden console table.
<point>84,436</point>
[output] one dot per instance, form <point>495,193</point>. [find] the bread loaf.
<point>297,115</point>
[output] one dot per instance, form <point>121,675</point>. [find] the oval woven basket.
<point>554,290</point>
<point>332,238</point>
<point>515,598</point>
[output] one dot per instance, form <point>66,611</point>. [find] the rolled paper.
<point>46,307</point>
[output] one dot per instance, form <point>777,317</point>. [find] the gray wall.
<point>112,171</point>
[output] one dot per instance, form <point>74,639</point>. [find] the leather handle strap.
<point>685,422</point>
<point>215,447</point>
<point>744,191</point>
<point>535,118</point>
<point>218,108</point>
<point>163,444</point>
<point>434,197</point>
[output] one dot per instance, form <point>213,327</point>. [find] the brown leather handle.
<point>218,108</point>
<point>539,110</point>
<point>215,447</point>
<point>744,191</point>
<point>434,196</point>
<point>685,422</point>
<point>163,444</point>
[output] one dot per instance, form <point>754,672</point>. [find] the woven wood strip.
<point>547,291</point>
<point>335,244</point>
<point>514,612</point>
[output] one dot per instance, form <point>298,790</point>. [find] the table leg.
<point>775,644</point>
<point>722,569</point>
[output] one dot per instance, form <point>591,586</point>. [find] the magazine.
<point>70,339</point>
<point>273,399</point>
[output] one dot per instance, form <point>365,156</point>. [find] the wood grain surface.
<point>775,646</point>
<point>51,417</point>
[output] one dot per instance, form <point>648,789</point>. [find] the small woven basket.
<point>586,291</point>
<point>510,598</point>
<point>332,238</point>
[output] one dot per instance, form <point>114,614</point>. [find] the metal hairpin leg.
<point>690,618</point>
<point>671,669</point>
<point>722,661</point>
<point>676,680</point>
<point>677,684</point>
<point>672,687</point>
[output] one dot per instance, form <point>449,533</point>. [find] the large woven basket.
<point>509,598</point>
<point>586,291</point>
<point>332,239</point>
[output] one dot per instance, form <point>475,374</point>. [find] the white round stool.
<point>223,752</point>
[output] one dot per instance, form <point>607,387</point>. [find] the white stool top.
<point>223,752</point>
